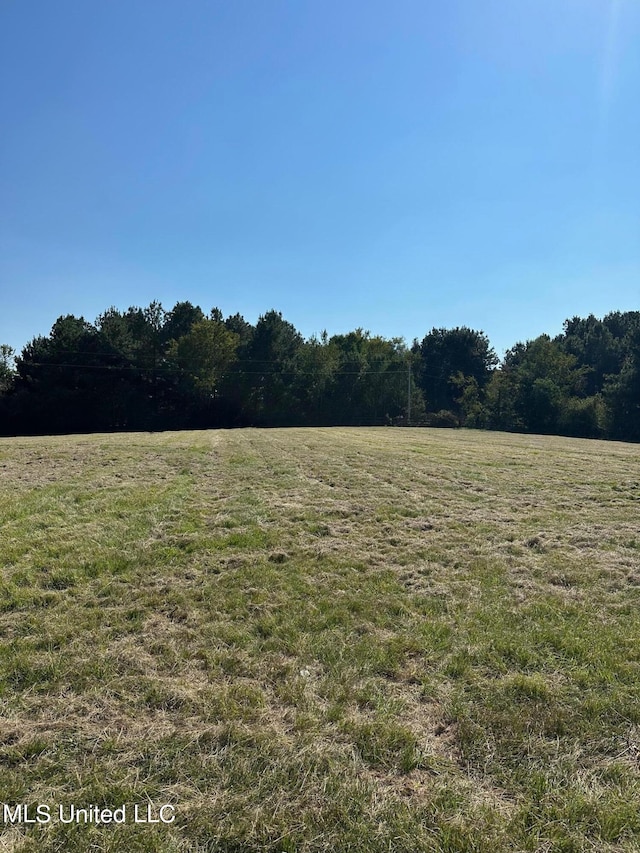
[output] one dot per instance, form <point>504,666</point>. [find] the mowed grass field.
<point>322,640</point>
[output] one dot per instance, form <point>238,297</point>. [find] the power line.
<point>179,370</point>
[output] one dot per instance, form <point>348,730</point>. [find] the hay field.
<point>321,640</point>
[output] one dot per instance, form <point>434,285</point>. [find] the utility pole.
<point>409,389</point>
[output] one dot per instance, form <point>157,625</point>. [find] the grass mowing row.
<point>322,640</point>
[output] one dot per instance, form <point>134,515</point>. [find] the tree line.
<point>151,369</point>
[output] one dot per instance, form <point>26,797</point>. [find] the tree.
<point>315,366</point>
<point>538,377</point>
<point>444,356</point>
<point>203,355</point>
<point>179,321</point>
<point>270,370</point>
<point>469,403</point>
<point>593,344</point>
<point>369,384</point>
<point>622,394</point>
<point>7,367</point>
<point>500,400</point>
<point>60,379</point>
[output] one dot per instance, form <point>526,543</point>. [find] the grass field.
<point>322,640</point>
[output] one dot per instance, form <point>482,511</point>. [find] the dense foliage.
<point>147,368</point>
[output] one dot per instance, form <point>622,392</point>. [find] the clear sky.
<point>391,165</point>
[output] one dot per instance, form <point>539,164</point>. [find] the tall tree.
<point>7,367</point>
<point>541,377</point>
<point>315,366</point>
<point>203,355</point>
<point>595,347</point>
<point>622,393</point>
<point>179,321</point>
<point>370,381</point>
<point>60,378</point>
<point>446,355</point>
<point>270,361</point>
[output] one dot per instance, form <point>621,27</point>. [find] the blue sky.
<point>395,166</point>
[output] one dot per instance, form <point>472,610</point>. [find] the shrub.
<point>443,418</point>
